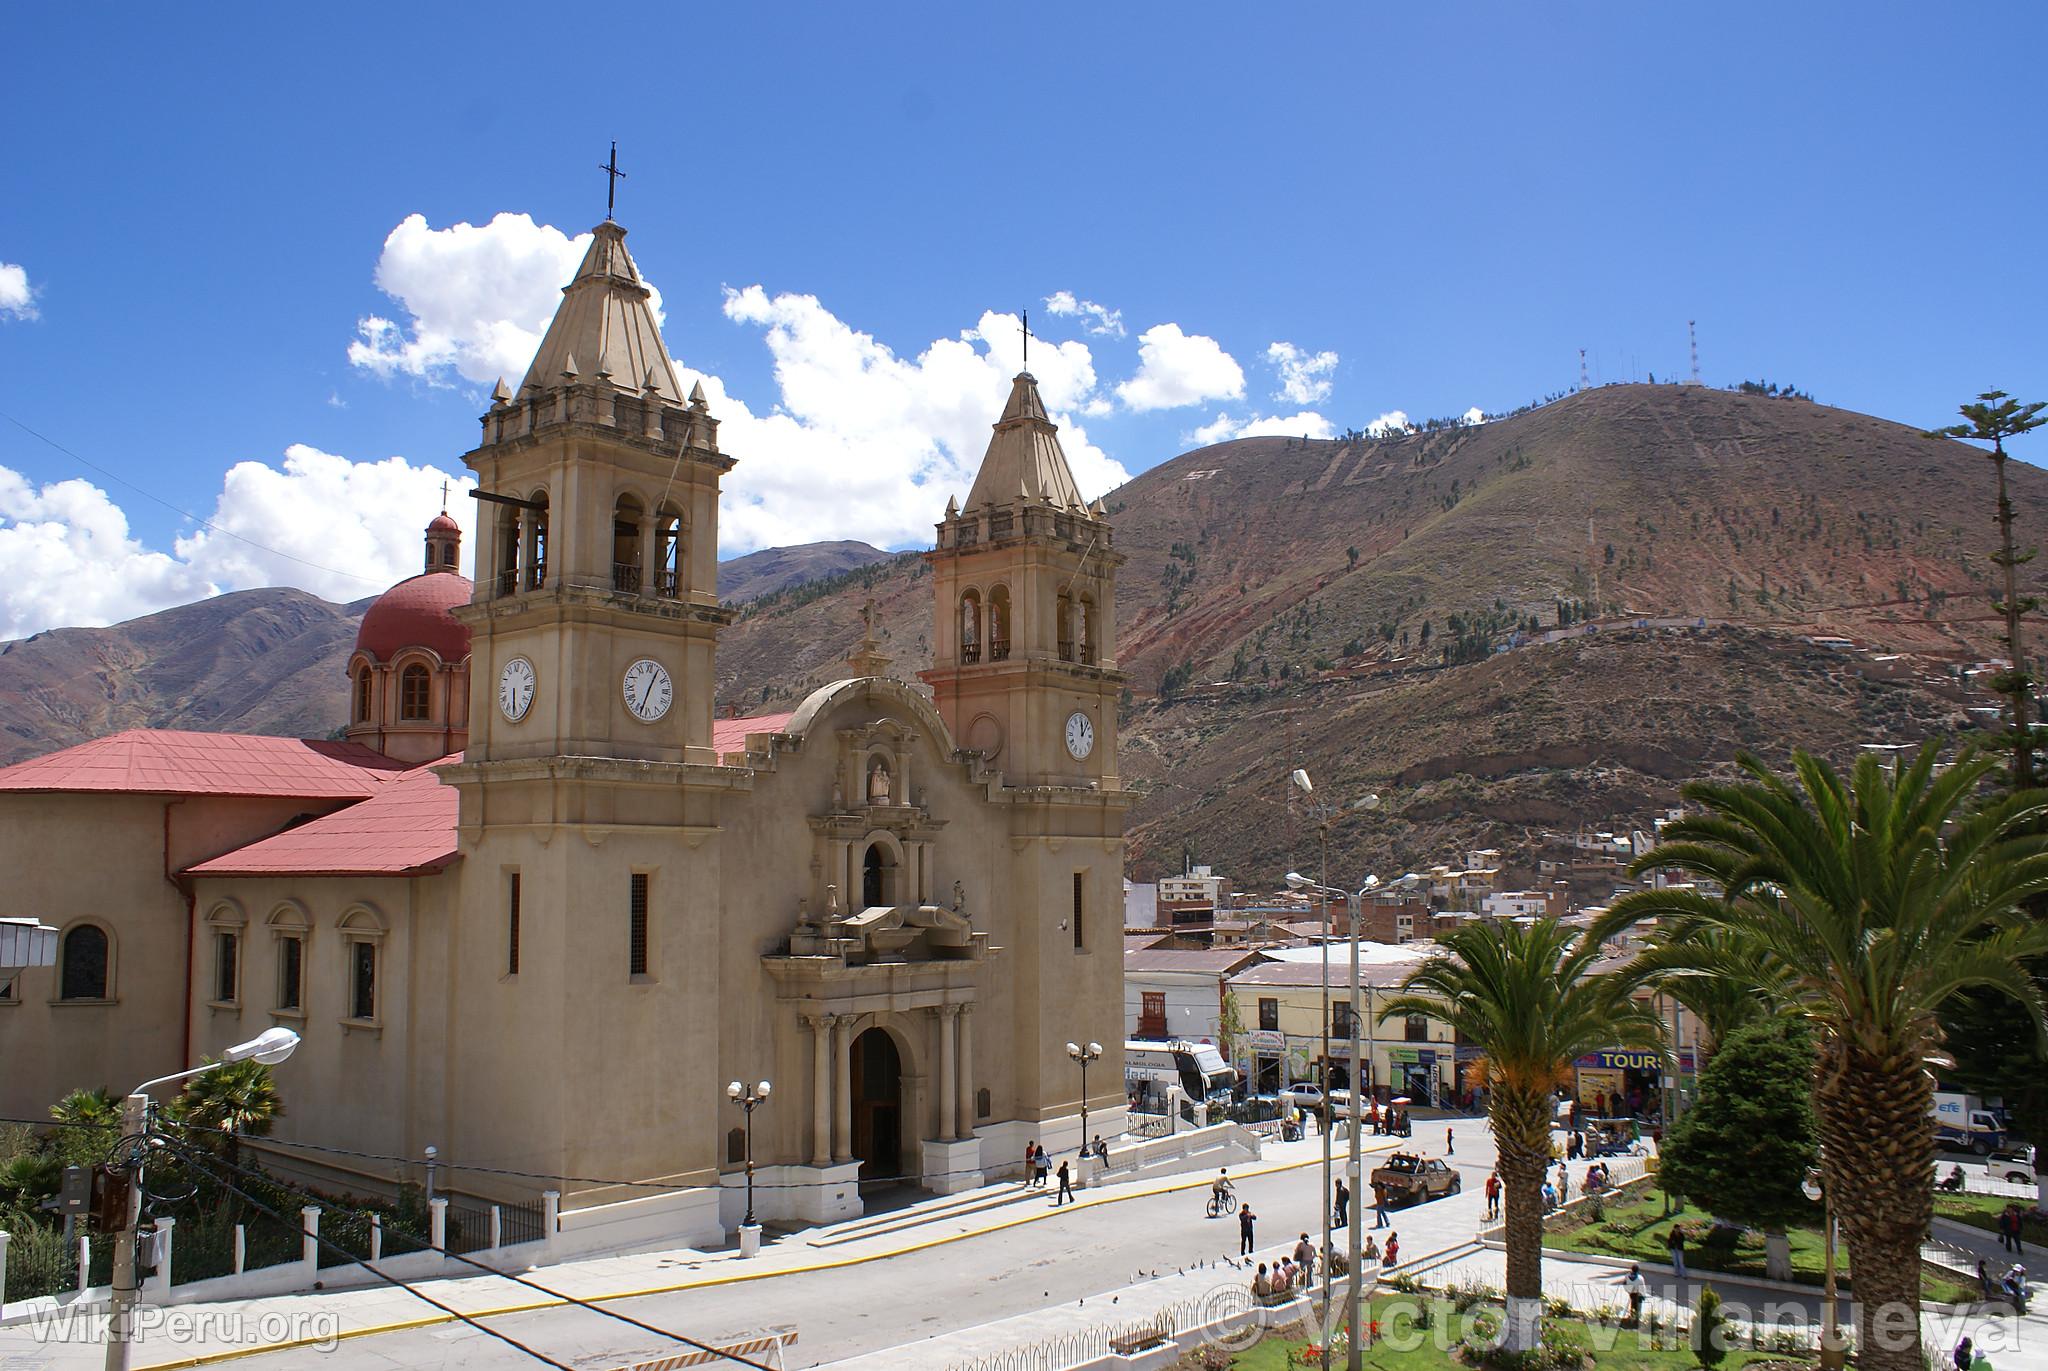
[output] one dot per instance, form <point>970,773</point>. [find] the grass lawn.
<point>1396,1315</point>
<point>1636,1230</point>
<point>1982,1211</point>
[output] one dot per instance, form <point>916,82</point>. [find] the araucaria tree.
<point>1994,418</point>
<point>1876,898</point>
<point>1526,995</point>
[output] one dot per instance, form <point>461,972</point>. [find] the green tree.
<point>1709,1341</point>
<point>1352,553</point>
<point>1743,1150</point>
<point>1743,989</point>
<point>1524,994</point>
<point>1229,1025</point>
<point>1994,418</point>
<point>235,1101</point>
<point>94,1117</point>
<point>1877,898</point>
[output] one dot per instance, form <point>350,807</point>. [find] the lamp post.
<point>25,943</point>
<point>269,1047</point>
<point>1833,1355</point>
<point>1084,1055</point>
<point>747,1097</point>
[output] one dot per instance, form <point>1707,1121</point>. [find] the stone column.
<point>964,1124</point>
<point>649,550</point>
<point>821,1090</point>
<point>842,1089</point>
<point>948,1017</point>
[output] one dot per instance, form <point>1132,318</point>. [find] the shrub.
<point>1707,1339</point>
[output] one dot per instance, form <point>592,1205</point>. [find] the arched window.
<point>1090,643</point>
<point>537,558</point>
<point>82,964</point>
<point>508,550</point>
<point>362,694</point>
<point>626,514</point>
<point>999,624</point>
<point>362,938</point>
<point>970,626</point>
<point>1064,607</point>
<point>448,554</point>
<point>668,553</point>
<point>414,688</point>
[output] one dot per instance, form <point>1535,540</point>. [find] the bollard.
<point>309,1241</point>
<point>497,1228</point>
<point>4,1240</point>
<point>550,1214</point>
<point>160,1281</point>
<point>84,1262</point>
<point>438,1226</point>
<point>241,1249</point>
<point>376,1237</point>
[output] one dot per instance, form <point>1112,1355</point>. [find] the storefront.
<point>1620,1083</point>
<point>1413,1071</point>
<point>1265,1067</point>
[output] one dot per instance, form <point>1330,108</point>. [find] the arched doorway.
<point>875,870</point>
<point>877,1108</point>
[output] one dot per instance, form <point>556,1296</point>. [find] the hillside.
<point>777,568</point>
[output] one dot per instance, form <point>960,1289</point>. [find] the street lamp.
<point>746,1097</point>
<point>1833,1355</point>
<point>1084,1055</point>
<point>270,1047</point>
<point>25,943</point>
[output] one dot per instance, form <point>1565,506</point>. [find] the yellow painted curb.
<point>1093,1199</point>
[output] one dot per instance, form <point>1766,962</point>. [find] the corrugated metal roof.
<point>152,761</point>
<point>730,735</point>
<point>1215,962</point>
<point>407,828</point>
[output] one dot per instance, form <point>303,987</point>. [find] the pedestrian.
<point>1370,1252</point>
<point>1985,1284</point>
<point>1962,1356</point>
<point>1549,1195</point>
<point>1638,1289</point>
<point>1574,1147</point>
<point>1379,1206</point>
<point>1675,1245</point>
<point>1245,1218</point>
<point>1305,1257</point>
<point>1031,1165</point>
<point>1493,1195</point>
<point>1450,1142</point>
<point>1044,1166</point>
<point>1066,1186</point>
<point>1100,1148</point>
<point>1343,1213</point>
<point>1393,1257</point>
<point>1564,1184</point>
<point>1600,1104</point>
<point>1262,1284</point>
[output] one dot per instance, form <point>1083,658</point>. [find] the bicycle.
<point>1222,1201</point>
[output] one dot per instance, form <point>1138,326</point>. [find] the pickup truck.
<point>1409,1179</point>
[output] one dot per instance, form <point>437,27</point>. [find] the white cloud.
<point>67,557</point>
<point>1474,415</point>
<point>1176,368</point>
<point>1306,424</point>
<point>478,299</point>
<point>1097,319</point>
<point>1305,377</point>
<point>17,296</point>
<point>1393,421</point>
<point>866,444</point>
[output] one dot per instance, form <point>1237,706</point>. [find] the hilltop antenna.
<point>1585,381</point>
<point>1692,336</point>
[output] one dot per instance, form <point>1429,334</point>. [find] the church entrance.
<point>874,877</point>
<point>877,1109</point>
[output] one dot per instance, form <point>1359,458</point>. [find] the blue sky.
<point>1452,199</point>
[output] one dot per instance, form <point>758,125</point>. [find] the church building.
<point>540,903</point>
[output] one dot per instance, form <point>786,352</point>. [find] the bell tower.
<point>595,617</point>
<point>1024,645</point>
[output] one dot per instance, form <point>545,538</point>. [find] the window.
<point>1152,1014</point>
<point>636,936</point>
<point>512,927</point>
<point>983,1103</point>
<point>413,685</point>
<point>362,695</point>
<point>82,971</point>
<point>1417,1029</point>
<point>226,947</point>
<point>735,1146</point>
<point>362,980</point>
<point>1269,1016</point>
<point>291,972</point>
<point>7,995</point>
<point>1080,884</point>
<point>1340,1020</point>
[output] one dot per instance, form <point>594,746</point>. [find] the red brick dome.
<point>443,524</point>
<point>414,613</point>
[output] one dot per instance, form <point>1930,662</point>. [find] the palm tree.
<point>239,1100</point>
<point>1525,993</point>
<point>1873,901</point>
<point>1719,978</point>
<point>95,1119</point>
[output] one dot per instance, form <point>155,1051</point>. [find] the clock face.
<point>1080,735</point>
<point>515,688</point>
<point>648,691</point>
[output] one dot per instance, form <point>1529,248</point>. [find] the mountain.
<point>777,568</point>
<point>255,661</point>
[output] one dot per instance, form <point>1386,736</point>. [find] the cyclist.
<point>1220,1190</point>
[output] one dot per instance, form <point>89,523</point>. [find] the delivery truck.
<point>1962,1123</point>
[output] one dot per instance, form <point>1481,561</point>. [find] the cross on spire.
<point>612,178</point>
<point>1025,329</point>
<point>444,497</point>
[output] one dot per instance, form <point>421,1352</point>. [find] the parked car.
<point>2014,1164</point>
<point>1304,1094</point>
<point>1411,1179</point>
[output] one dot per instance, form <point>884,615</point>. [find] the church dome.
<point>444,524</point>
<point>414,613</point>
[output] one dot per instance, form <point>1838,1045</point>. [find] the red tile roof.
<point>152,761</point>
<point>730,735</point>
<point>405,829</point>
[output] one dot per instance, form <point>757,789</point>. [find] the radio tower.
<point>1692,336</point>
<point>1585,381</point>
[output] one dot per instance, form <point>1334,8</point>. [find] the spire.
<point>868,659</point>
<point>606,313</point>
<point>1024,459</point>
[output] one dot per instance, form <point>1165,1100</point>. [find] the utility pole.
<point>126,1287</point>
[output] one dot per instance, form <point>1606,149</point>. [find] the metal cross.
<point>444,497</point>
<point>612,178</point>
<point>1025,328</point>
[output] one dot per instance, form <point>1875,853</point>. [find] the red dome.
<point>443,524</point>
<point>414,613</point>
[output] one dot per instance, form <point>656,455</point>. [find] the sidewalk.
<point>366,1312</point>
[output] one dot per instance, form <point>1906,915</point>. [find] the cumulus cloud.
<point>1097,319</point>
<point>17,296</point>
<point>1306,424</point>
<point>1305,377</point>
<point>478,299</point>
<point>1176,368</point>
<point>341,529</point>
<point>1393,421</point>
<point>867,444</point>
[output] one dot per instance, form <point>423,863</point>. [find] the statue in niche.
<point>878,782</point>
<point>959,896</point>
<point>838,795</point>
